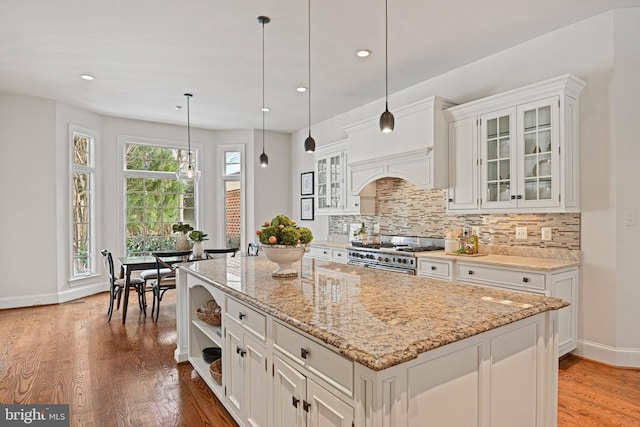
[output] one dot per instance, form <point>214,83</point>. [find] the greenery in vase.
<point>198,236</point>
<point>283,231</point>
<point>181,228</point>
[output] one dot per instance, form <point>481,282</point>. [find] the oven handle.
<point>384,267</point>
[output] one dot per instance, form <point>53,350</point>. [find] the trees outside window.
<point>155,199</point>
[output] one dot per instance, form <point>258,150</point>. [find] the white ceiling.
<point>145,54</point>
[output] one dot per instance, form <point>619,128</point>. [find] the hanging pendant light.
<point>309,143</point>
<point>387,121</point>
<point>264,159</point>
<point>188,171</point>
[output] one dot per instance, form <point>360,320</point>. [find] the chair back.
<point>253,249</point>
<point>211,253</point>
<point>167,260</point>
<point>108,263</point>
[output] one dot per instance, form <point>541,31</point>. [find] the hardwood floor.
<point>112,374</point>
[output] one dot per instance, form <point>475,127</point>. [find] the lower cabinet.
<point>300,401</point>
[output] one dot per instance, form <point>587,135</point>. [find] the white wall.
<point>28,193</point>
<point>603,51</point>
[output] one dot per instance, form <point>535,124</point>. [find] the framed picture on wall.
<point>306,184</point>
<point>306,208</point>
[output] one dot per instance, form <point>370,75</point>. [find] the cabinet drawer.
<point>431,268</point>
<point>327,364</point>
<point>339,255</point>
<point>320,252</point>
<point>500,277</point>
<point>246,317</point>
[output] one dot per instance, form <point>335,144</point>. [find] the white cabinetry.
<point>246,380</point>
<point>332,194</point>
<point>328,253</point>
<point>517,151</point>
<point>562,284</point>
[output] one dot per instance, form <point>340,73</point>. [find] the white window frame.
<point>123,140</point>
<point>91,170</point>
<point>222,149</point>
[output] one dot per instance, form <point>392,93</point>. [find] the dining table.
<point>131,263</point>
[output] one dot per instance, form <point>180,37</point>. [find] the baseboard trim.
<point>621,357</point>
<point>53,298</point>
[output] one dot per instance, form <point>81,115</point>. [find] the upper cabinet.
<point>332,196</point>
<point>517,151</point>
<point>416,150</point>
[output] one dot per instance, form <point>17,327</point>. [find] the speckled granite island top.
<point>374,317</point>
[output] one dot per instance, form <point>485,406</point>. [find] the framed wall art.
<point>306,208</point>
<point>306,184</point>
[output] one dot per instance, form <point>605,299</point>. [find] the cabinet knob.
<point>304,352</point>
<point>519,196</point>
<point>450,200</point>
<point>240,351</point>
<point>241,315</point>
<point>470,271</point>
<point>306,405</point>
<point>294,401</point>
<point>525,279</point>
<point>513,197</point>
<point>433,267</point>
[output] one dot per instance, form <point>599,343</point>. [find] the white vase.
<point>182,243</point>
<point>284,256</point>
<point>198,250</point>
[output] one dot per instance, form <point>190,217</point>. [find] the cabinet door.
<point>322,201</point>
<point>336,196</point>
<point>497,152</point>
<point>256,382</point>
<point>539,160</point>
<point>565,285</point>
<point>289,393</point>
<point>325,409</point>
<point>233,366</point>
<point>463,164</point>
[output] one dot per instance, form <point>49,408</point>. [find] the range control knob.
<point>386,260</point>
<point>379,258</point>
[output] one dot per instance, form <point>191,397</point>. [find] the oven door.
<point>383,267</point>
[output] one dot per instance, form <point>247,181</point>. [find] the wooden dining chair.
<point>166,265</point>
<point>116,285</point>
<point>211,253</point>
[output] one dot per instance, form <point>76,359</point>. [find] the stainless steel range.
<point>394,253</point>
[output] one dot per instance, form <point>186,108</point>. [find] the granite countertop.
<point>540,264</point>
<point>329,243</point>
<point>374,317</point>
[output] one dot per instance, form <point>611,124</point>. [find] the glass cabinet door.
<point>321,169</point>
<point>335,174</point>
<point>538,134</point>
<point>498,149</point>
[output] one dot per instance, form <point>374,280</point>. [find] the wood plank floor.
<point>124,375</point>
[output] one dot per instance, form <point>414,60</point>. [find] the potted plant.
<point>182,244</point>
<point>361,233</point>
<point>284,243</point>
<point>197,237</point>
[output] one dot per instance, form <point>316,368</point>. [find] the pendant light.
<point>387,120</point>
<point>309,143</point>
<point>188,171</point>
<point>264,159</point>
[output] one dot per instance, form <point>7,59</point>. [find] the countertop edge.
<point>509,261</point>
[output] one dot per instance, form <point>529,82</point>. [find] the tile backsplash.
<point>402,209</point>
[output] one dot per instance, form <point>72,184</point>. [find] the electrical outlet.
<point>475,231</point>
<point>376,228</point>
<point>545,233</point>
<point>345,227</point>
<point>521,233</point>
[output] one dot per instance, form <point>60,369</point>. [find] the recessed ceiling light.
<point>301,89</point>
<point>363,53</point>
<point>265,109</point>
<point>87,77</point>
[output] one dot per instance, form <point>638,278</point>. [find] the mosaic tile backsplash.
<point>402,209</point>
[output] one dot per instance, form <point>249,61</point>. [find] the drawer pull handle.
<point>470,271</point>
<point>525,279</point>
<point>294,401</point>
<point>241,315</point>
<point>304,352</point>
<point>240,351</point>
<point>433,268</point>
<point>306,405</point>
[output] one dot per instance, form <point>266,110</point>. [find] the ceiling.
<point>145,54</point>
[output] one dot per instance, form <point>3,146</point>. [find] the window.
<point>82,185</point>
<point>155,199</point>
<point>233,198</point>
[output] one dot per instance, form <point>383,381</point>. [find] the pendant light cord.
<point>386,55</point>
<point>263,86</point>
<point>309,45</point>
<point>188,131</point>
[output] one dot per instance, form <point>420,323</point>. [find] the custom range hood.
<point>415,151</point>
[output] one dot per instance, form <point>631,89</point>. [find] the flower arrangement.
<point>283,231</point>
<point>181,228</point>
<point>198,236</point>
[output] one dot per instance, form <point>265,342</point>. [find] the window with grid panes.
<point>82,183</point>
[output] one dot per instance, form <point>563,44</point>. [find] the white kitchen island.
<point>349,346</point>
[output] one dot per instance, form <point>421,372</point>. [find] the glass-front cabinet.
<point>519,148</point>
<point>329,170</point>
